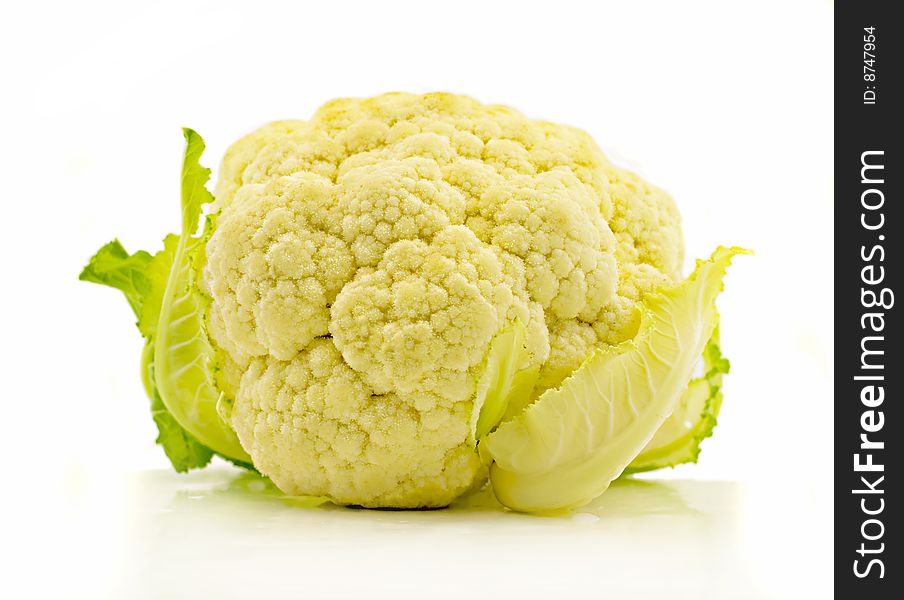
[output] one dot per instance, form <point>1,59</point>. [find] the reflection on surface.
<point>627,496</point>
<point>247,500</point>
<point>221,533</point>
<point>246,492</point>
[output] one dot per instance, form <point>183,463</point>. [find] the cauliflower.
<point>355,274</point>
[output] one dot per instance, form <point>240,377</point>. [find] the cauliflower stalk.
<point>391,301</point>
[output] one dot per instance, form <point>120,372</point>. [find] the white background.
<point>728,106</point>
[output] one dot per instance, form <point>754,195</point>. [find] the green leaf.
<point>566,447</point>
<point>184,359</point>
<point>506,378</point>
<point>170,308</point>
<point>194,179</point>
<point>142,279</point>
<point>115,267</point>
<point>678,440</point>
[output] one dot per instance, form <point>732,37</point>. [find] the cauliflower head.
<point>361,264</point>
